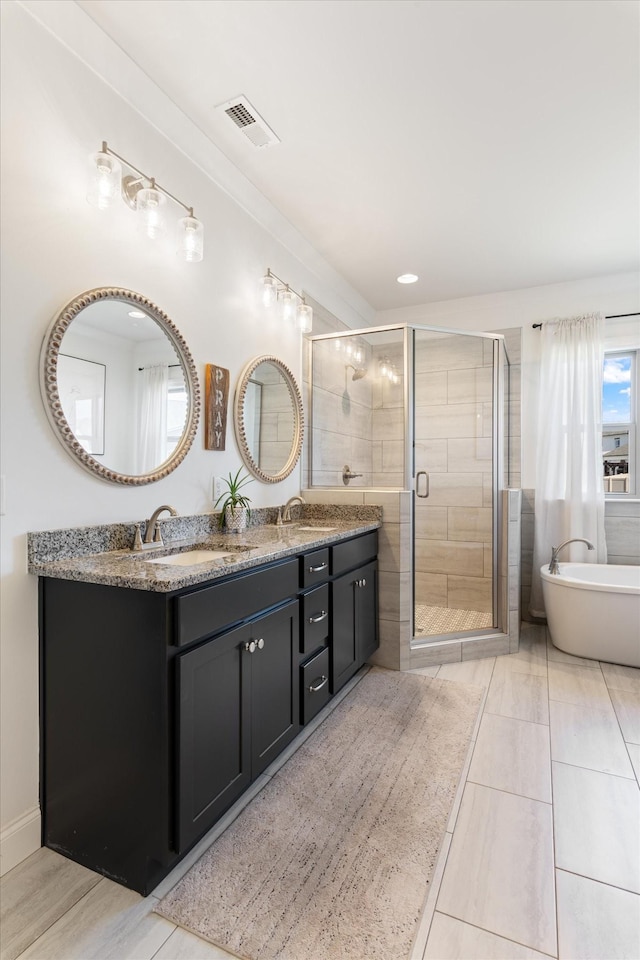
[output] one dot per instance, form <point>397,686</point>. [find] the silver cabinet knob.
<point>250,646</point>
<point>260,644</point>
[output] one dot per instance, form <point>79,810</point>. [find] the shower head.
<point>358,372</point>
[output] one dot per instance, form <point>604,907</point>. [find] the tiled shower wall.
<point>453,428</point>
<point>342,419</point>
<point>388,451</point>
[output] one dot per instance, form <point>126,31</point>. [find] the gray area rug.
<point>333,859</point>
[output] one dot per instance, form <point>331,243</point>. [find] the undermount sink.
<point>314,528</point>
<point>189,557</point>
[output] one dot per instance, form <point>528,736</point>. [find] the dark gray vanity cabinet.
<point>238,708</point>
<point>159,709</point>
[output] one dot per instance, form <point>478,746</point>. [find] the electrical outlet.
<point>217,488</point>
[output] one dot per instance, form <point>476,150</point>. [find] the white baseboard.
<point>20,839</point>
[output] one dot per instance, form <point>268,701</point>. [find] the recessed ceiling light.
<point>407,278</point>
<point>137,315</point>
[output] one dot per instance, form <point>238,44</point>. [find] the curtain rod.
<point>169,366</point>
<point>613,316</point>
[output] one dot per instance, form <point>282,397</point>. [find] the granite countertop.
<point>257,545</point>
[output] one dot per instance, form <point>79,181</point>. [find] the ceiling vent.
<point>247,119</point>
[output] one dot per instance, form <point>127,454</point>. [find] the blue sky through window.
<point>616,390</point>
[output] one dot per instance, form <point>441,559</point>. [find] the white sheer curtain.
<point>569,497</point>
<point>152,421</point>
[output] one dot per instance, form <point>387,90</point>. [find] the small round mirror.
<point>268,419</point>
<point>119,386</point>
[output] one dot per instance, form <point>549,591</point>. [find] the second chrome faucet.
<point>152,534</point>
<point>284,515</point>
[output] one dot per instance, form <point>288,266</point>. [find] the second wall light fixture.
<point>292,304</point>
<point>144,195</point>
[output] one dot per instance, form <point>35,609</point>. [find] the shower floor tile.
<point>432,621</point>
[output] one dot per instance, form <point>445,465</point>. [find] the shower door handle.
<point>419,474</point>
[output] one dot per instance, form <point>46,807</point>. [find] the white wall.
<point>55,112</point>
<point>618,293</point>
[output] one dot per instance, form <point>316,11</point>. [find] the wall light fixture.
<point>147,197</point>
<point>292,304</point>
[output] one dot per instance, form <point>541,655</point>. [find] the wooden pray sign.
<point>216,396</point>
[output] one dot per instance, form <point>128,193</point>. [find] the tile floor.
<point>541,857</point>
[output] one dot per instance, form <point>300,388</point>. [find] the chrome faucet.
<point>152,534</point>
<point>285,516</point>
<point>553,566</point>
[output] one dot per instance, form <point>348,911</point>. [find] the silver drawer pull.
<point>323,566</point>
<point>321,616</point>
<point>323,682</point>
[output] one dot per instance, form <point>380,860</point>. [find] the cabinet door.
<point>354,619</point>
<point>344,653</point>
<point>366,596</point>
<point>275,717</point>
<point>213,741</point>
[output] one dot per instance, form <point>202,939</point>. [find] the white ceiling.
<point>485,145</point>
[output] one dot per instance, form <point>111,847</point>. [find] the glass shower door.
<point>454,469</point>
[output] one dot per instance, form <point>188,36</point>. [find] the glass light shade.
<point>305,318</point>
<point>190,239</point>
<point>288,304</point>
<point>149,207</point>
<point>269,290</point>
<point>104,179</point>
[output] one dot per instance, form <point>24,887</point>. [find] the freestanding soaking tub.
<point>593,610</point>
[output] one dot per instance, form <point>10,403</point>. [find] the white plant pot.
<point>235,519</point>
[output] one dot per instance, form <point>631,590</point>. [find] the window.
<point>619,419</point>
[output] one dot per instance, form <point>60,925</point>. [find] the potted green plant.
<point>234,506</point>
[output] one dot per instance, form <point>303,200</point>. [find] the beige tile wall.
<point>453,426</point>
<point>342,419</point>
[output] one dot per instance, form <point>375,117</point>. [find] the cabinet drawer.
<point>314,567</point>
<point>315,619</point>
<point>208,610</point>
<point>351,553</point>
<point>314,684</point>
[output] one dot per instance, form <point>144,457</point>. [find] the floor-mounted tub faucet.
<point>553,566</point>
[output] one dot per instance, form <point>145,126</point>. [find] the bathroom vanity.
<point>167,689</point>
